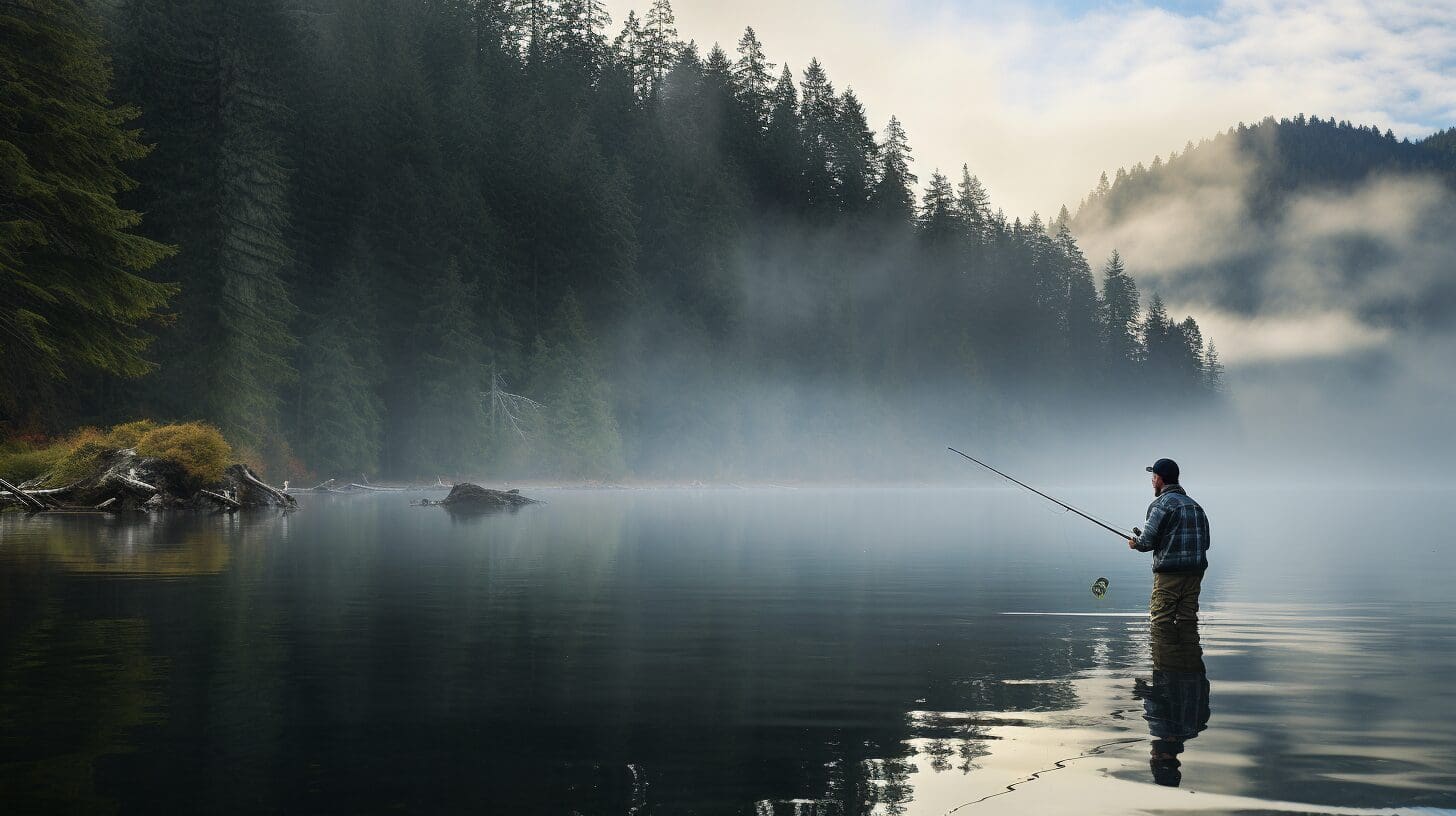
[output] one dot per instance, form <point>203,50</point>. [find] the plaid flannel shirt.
<point>1176,533</point>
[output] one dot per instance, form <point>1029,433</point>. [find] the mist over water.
<point>723,651</point>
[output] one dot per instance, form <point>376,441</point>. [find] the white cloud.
<point>1040,102</point>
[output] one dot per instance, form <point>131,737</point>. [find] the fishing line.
<point>1099,522</point>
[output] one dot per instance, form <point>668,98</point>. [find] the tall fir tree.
<point>73,301</point>
<point>854,153</point>
<point>974,206</point>
<point>660,45</point>
<point>753,79</point>
<point>817,122</point>
<point>1120,309</point>
<point>893,197</point>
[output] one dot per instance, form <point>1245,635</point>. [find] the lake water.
<point>754,652</point>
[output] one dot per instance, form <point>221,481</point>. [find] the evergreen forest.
<point>515,238</point>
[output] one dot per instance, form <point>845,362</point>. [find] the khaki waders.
<point>1175,597</point>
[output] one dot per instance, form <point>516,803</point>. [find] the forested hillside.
<point>1293,216</point>
<point>1275,159</point>
<point>503,238</point>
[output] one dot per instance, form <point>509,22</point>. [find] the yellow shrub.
<point>81,436</point>
<point>198,448</point>
<point>128,434</point>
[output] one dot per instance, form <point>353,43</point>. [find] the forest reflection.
<point>174,545</point>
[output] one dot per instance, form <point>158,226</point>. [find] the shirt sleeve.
<point>1157,514</point>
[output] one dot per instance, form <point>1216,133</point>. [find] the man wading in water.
<point>1176,534</point>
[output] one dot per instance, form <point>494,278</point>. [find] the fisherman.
<point>1176,533</point>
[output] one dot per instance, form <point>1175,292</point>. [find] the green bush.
<point>20,462</point>
<point>198,448</point>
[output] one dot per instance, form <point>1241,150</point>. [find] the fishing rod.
<point>1135,531</point>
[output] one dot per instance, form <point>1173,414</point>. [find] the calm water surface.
<point>744,652</point>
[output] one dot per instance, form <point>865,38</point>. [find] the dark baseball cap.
<point>1166,468</point>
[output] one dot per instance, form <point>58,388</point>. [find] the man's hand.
<point>1132,543</point>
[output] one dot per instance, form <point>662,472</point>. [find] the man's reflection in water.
<point>1175,701</point>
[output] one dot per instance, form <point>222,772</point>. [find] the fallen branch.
<point>357,486</point>
<point>134,485</point>
<point>246,474</point>
<point>106,504</point>
<point>32,503</point>
<point>231,504</point>
<point>52,491</point>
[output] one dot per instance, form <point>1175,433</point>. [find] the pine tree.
<point>974,207</point>
<point>1212,370</point>
<point>660,45</point>
<point>254,257</point>
<point>71,299</point>
<point>817,115</point>
<point>1081,324</point>
<point>575,30</point>
<point>1188,350</point>
<point>893,197</point>
<point>937,215</point>
<point>1159,352</point>
<point>630,49</point>
<point>530,22</point>
<point>753,79</point>
<point>782,146</point>
<point>1120,312</point>
<point>854,155</point>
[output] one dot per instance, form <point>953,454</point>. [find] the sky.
<point>1039,98</point>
